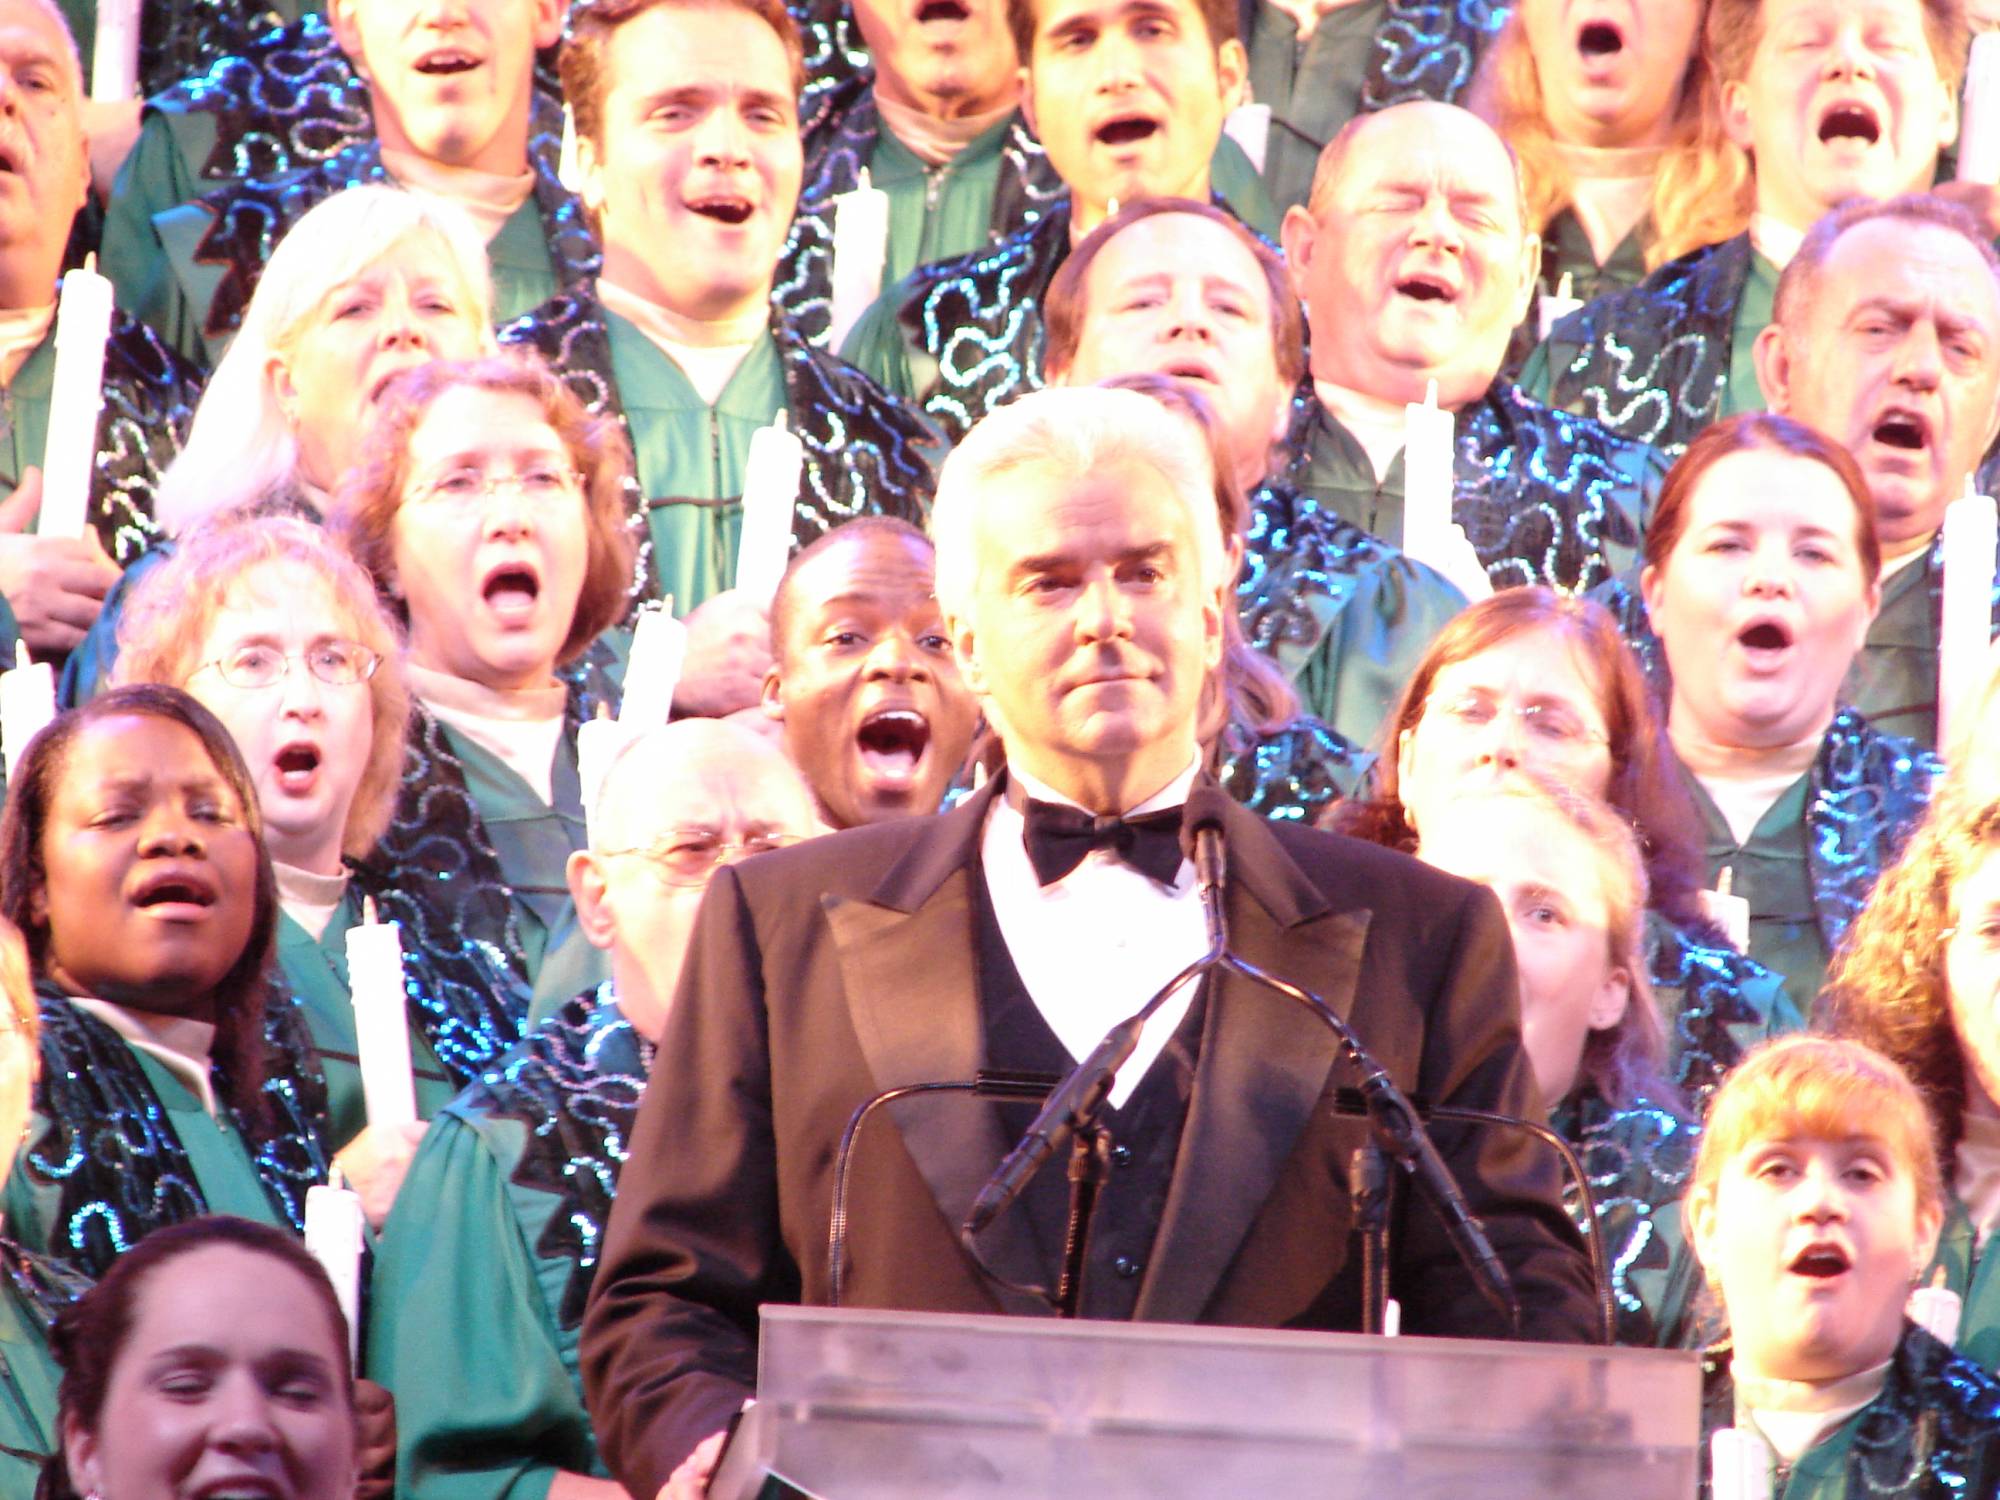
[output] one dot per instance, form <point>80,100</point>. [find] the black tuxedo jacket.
<point>822,974</point>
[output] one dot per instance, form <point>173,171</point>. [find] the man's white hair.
<point>1068,433</point>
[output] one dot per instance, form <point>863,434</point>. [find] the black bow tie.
<point>1058,838</point>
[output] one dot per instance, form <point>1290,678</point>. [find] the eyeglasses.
<point>1550,724</point>
<point>469,484</point>
<point>688,856</point>
<point>336,663</point>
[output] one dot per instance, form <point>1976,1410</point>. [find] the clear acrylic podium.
<point>859,1405</point>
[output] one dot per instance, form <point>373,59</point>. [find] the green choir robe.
<point>1313,85</point>
<point>316,971</point>
<point>223,1171</point>
<point>1771,873</point>
<point>184,38</point>
<point>936,212</point>
<point>1933,1433</point>
<point>485,1260</point>
<point>690,456</point>
<point>1567,251</point>
<point>1684,336</point>
<point>28,1379</point>
<point>1894,679</point>
<point>533,840</point>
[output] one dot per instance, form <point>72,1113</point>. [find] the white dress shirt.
<point>1093,947</point>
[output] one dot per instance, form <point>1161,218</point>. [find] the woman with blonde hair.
<point>1624,165</point>
<point>370,282</point>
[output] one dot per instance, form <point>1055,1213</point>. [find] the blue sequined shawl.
<point>111,1154</point>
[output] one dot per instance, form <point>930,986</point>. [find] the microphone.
<point>1201,839</point>
<point>1076,1100</point>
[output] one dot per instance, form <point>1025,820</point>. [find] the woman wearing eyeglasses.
<point>1762,576</point>
<point>1536,680</point>
<point>297,658</point>
<point>490,506</point>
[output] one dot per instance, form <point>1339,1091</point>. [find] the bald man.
<point>484,1264</point>
<point>1415,261</point>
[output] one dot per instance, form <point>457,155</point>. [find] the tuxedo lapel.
<point>908,959</point>
<point>1265,1061</point>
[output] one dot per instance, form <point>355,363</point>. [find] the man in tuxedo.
<point>1082,578</point>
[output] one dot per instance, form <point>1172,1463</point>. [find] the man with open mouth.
<point>875,714</point>
<point>1415,264</point>
<point>452,109</point>
<point>1828,100</point>
<point>1128,97</point>
<point>936,123</point>
<point>689,153</point>
<point>55,585</point>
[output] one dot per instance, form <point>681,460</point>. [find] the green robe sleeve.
<point>158,177</point>
<point>487,1396</point>
<point>28,1379</point>
<point>1377,631</point>
<point>878,347</point>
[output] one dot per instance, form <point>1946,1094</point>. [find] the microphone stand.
<point>1395,1120</point>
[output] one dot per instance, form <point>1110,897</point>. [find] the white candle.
<point>334,1238</point>
<point>1936,1309</point>
<point>653,671</point>
<point>1553,307</point>
<point>598,742</point>
<point>27,703</point>
<point>1727,910</point>
<point>1427,474</point>
<point>1739,1465</point>
<point>114,52</point>
<point>770,495</point>
<point>83,322</point>
<point>569,170</point>
<point>381,1020</point>
<point>1979,130</point>
<point>1965,629</point>
<point>1249,125</point>
<point>860,250</point>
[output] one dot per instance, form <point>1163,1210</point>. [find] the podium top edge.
<point>976,1326</point>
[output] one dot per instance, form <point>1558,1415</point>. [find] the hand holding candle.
<point>1965,628</point>
<point>860,250</point>
<point>83,323</point>
<point>381,1019</point>
<point>27,703</point>
<point>770,495</point>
